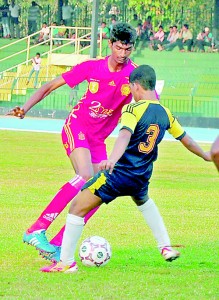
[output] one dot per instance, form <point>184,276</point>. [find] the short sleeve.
<point>128,119</point>
<point>77,74</point>
<point>175,129</point>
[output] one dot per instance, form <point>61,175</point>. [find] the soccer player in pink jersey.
<point>88,125</point>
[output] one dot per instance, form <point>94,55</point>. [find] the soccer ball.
<point>95,251</point>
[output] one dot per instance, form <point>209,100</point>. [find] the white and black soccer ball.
<point>95,251</point>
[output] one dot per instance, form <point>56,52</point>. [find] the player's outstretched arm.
<point>119,148</point>
<point>215,153</point>
<point>192,146</point>
<point>40,94</point>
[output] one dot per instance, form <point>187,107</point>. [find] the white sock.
<point>155,222</point>
<point>73,229</point>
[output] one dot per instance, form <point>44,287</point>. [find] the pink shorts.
<point>74,135</point>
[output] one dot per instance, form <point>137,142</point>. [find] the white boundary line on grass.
<point>29,130</point>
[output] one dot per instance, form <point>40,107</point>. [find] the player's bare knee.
<point>76,208</point>
<point>86,174</point>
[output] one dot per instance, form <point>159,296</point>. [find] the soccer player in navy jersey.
<point>129,168</point>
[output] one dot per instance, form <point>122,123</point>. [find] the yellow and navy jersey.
<point>147,120</point>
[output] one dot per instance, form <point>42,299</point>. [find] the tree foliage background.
<point>197,14</point>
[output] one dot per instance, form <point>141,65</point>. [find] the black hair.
<point>186,26</point>
<point>175,26</point>
<point>123,32</point>
<point>38,53</point>
<point>145,76</point>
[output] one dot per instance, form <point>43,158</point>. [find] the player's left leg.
<point>56,241</point>
<point>80,154</point>
<point>35,234</point>
<point>98,153</point>
<point>155,221</point>
<point>80,206</point>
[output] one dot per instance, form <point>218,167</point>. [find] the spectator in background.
<point>171,39</point>
<point>15,12</point>
<point>157,39</point>
<point>135,21</point>
<point>114,10</point>
<point>206,40</point>
<point>137,24</point>
<point>199,38</point>
<point>147,28</point>
<point>139,35</point>
<point>33,15</point>
<point>168,40</point>
<point>105,31</point>
<point>44,33</point>
<point>147,31</point>
<point>185,39</point>
<point>113,22</point>
<point>62,31</point>
<point>55,34</point>
<point>170,34</point>
<point>4,9</point>
<point>36,62</point>
<point>67,12</point>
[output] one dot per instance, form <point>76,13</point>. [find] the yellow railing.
<point>12,79</point>
<point>78,38</point>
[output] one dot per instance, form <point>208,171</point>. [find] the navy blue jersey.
<point>147,121</point>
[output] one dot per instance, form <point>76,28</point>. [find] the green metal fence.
<point>197,17</point>
<point>194,107</point>
<point>183,100</point>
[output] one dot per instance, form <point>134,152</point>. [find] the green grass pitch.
<point>185,188</point>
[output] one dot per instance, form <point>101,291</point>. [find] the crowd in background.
<point>10,13</point>
<point>158,39</point>
<point>182,38</point>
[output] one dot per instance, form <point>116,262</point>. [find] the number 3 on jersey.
<point>152,133</point>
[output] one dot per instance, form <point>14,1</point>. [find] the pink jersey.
<point>100,108</point>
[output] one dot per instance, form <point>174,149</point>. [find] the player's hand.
<point>16,112</point>
<point>107,165</point>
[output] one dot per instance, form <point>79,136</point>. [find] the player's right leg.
<point>35,235</point>
<point>82,204</point>
<point>98,153</point>
<point>79,153</point>
<point>155,221</point>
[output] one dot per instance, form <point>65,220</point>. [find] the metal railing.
<point>62,101</point>
<point>79,37</point>
<point>194,107</point>
<point>9,84</point>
